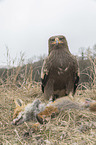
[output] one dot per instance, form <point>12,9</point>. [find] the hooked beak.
<point>57,41</point>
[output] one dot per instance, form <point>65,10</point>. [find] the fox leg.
<point>35,127</point>
<point>49,111</point>
<point>41,119</point>
<point>90,104</point>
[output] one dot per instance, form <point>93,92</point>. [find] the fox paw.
<point>41,120</point>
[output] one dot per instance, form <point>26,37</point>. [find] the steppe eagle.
<point>59,74</point>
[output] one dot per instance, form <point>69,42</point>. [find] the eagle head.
<point>57,42</point>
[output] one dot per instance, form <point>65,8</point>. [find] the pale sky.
<point>26,25</point>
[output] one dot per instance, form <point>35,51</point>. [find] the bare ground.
<point>71,127</point>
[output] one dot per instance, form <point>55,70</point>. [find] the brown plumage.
<point>59,72</point>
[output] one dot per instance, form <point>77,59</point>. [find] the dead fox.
<point>38,111</point>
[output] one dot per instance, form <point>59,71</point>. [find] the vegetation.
<point>24,73</point>
<point>70,127</point>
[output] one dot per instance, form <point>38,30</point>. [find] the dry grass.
<point>70,127</point>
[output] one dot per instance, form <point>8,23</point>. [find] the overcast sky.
<point>26,25</point>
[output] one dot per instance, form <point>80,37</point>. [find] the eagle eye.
<point>53,39</point>
<point>61,38</point>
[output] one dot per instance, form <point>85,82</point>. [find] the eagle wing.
<point>77,76</point>
<point>76,82</point>
<point>44,74</point>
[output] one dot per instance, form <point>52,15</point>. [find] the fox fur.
<point>37,110</point>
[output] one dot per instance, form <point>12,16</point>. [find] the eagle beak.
<point>57,40</point>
